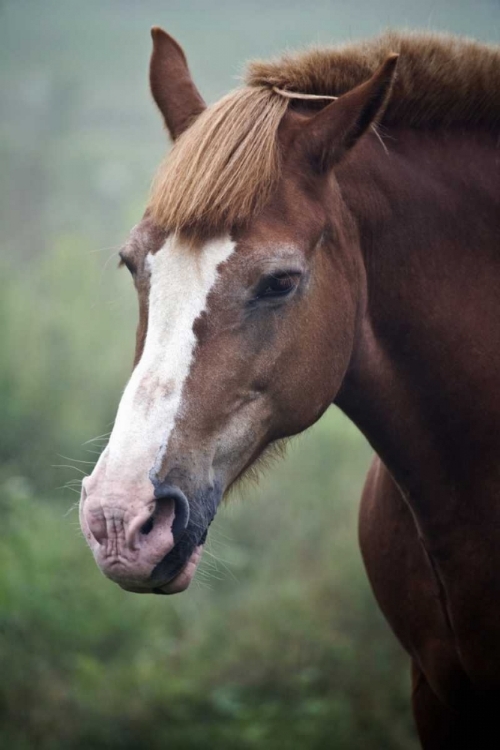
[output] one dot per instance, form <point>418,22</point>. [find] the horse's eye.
<point>277,285</point>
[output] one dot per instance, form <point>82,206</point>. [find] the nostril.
<point>181,508</point>
<point>164,525</point>
<point>147,527</point>
<point>170,516</point>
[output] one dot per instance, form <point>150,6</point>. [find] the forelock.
<point>221,170</point>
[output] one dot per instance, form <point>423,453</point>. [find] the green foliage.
<point>56,355</point>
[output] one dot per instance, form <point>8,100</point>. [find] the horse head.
<point>251,287</point>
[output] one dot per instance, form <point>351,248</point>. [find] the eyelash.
<point>277,285</point>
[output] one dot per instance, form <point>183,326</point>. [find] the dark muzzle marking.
<point>189,529</point>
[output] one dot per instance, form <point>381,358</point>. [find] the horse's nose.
<point>170,513</point>
<point>129,539</point>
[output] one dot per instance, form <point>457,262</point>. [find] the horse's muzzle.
<point>151,547</point>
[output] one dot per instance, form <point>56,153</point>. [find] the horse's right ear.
<point>328,135</point>
<point>172,87</point>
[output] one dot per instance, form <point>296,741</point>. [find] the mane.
<point>441,81</point>
<point>227,163</point>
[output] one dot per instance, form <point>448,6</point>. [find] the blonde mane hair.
<point>224,167</point>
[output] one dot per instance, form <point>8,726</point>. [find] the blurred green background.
<point>278,644</point>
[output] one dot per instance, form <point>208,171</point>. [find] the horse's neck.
<point>424,383</point>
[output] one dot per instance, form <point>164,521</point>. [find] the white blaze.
<point>180,281</point>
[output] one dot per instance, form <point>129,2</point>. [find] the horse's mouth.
<point>175,585</point>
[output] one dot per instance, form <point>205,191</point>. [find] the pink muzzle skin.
<point>151,547</point>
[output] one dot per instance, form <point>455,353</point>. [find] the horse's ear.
<point>335,129</point>
<point>172,87</point>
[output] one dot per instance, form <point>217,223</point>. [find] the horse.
<point>327,233</point>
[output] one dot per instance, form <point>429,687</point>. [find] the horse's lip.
<point>174,563</point>
<point>175,585</point>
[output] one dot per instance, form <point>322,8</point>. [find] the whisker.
<point>78,460</point>
<point>116,248</point>
<point>206,575</point>
<point>106,264</point>
<point>202,584</point>
<point>68,466</point>
<point>224,565</point>
<point>377,134</point>
<point>216,532</point>
<point>98,437</point>
<point>71,489</point>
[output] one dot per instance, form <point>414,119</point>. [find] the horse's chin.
<point>175,586</point>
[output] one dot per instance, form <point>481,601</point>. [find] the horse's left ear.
<point>328,135</point>
<point>172,87</point>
